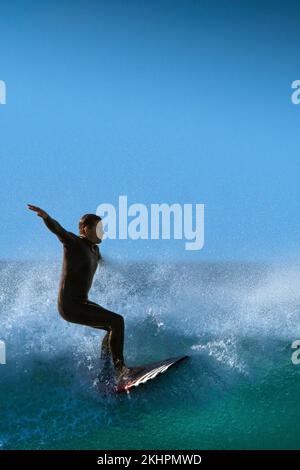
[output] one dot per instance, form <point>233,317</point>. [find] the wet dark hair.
<point>88,220</point>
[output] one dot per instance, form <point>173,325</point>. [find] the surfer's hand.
<point>38,210</point>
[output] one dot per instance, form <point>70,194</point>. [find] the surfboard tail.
<point>143,374</point>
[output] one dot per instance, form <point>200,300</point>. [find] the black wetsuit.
<point>81,258</point>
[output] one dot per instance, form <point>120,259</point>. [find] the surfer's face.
<point>94,233</point>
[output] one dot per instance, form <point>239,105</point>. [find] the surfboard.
<point>141,374</point>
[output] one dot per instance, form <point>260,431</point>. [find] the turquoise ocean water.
<point>239,390</point>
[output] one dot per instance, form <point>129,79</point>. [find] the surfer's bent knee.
<point>118,321</point>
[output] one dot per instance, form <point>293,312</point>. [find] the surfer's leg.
<point>113,341</point>
<point>91,314</point>
<point>117,340</point>
<point>105,347</point>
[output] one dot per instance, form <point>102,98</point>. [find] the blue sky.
<point>162,101</point>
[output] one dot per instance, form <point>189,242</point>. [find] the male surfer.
<point>81,258</point>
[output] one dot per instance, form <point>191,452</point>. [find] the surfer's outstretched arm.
<point>57,229</point>
<point>62,234</point>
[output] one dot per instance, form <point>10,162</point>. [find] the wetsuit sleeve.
<point>58,230</point>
